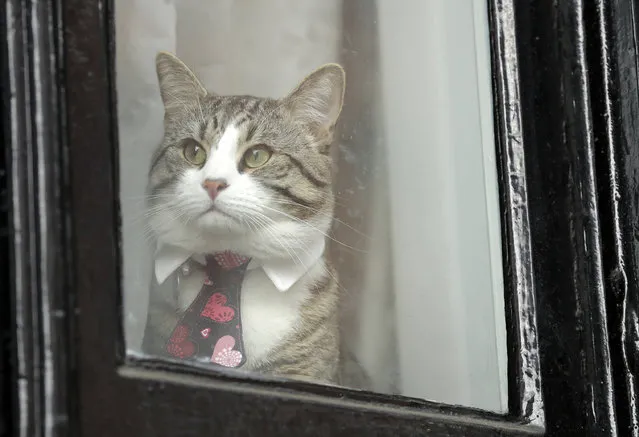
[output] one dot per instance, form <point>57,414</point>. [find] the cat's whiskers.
<point>264,221</point>
<point>289,249</point>
<point>255,209</point>
<point>319,212</point>
<point>313,227</point>
<point>150,196</point>
<point>304,246</point>
<point>149,212</point>
<point>180,207</point>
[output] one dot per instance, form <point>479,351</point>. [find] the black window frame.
<point>565,80</point>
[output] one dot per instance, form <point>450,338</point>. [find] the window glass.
<point>308,190</point>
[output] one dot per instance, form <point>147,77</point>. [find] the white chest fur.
<point>269,316</point>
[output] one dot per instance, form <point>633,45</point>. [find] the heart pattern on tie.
<point>223,353</point>
<point>216,310</point>
<point>179,345</point>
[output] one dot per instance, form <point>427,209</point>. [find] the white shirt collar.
<point>283,273</point>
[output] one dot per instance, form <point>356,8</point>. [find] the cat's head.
<point>243,173</point>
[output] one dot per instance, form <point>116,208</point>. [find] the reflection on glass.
<point>309,191</point>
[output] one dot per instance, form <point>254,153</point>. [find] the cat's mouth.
<point>213,209</point>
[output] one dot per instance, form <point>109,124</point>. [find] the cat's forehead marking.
<point>229,139</point>
<point>222,163</point>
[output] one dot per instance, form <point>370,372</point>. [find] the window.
<point>415,233</point>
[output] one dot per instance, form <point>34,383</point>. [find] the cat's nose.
<point>214,186</point>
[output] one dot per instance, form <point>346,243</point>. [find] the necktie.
<point>210,330</point>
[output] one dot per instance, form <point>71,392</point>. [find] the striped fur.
<point>313,350</point>
<point>270,212</point>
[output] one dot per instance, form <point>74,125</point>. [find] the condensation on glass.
<point>416,237</point>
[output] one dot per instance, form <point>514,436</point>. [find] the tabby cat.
<point>251,176</point>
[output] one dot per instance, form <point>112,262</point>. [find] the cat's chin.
<point>218,221</point>
<point>202,240</point>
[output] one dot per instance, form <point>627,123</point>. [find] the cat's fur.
<point>272,212</point>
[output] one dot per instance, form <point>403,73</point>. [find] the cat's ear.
<point>319,97</point>
<point>178,84</point>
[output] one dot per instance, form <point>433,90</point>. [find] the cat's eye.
<point>193,152</point>
<point>256,156</point>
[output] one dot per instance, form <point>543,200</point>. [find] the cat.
<point>253,176</point>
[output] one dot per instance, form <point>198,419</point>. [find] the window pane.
<point>255,243</point>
